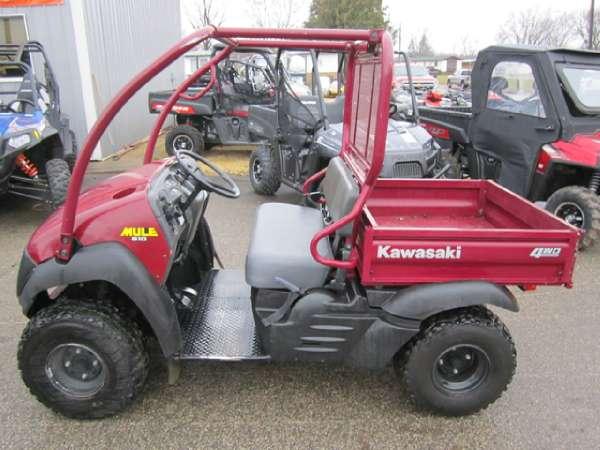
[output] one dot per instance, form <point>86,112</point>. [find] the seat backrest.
<point>340,191</point>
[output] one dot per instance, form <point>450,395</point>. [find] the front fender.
<point>113,263</point>
<point>421,302</point>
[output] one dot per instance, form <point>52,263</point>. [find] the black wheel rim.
<point>257,171</point>
<point>461,368</point>
<point>76,370</point>
<point>571,213</point>
<point>183,142</point>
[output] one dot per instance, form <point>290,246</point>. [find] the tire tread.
<point>478,316</point>
<point>109,319</point>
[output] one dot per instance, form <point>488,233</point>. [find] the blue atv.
<point>37,147</point>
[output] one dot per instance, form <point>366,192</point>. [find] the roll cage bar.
<point>366,105</point>
<point>14,57</point>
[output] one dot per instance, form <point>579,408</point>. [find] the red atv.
<point>387,271</point>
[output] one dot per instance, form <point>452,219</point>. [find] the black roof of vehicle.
<point>539,50</point>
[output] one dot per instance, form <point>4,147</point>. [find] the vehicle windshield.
<point>416,71</point>
<point>466,72</point>
<point>583,86</point>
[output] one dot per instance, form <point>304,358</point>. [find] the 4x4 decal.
<point>545,252</point>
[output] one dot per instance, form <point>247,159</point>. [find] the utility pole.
<point>591,38</point>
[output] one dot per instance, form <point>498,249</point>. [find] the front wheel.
<point>83,360</point>
<point>58,175</point>
<point>580,207</point>
<point>264,171</point>
<point>184,137</point>
<point>460,363</point>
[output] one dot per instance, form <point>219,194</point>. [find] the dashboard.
<point>178,205</point>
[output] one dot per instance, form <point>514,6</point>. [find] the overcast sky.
<point>449,23</point>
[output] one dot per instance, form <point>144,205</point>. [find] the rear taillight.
<point>547,154</point>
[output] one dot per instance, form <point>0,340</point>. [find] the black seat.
<point>279,253</point>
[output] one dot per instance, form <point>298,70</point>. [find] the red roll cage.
<point>366,106</point>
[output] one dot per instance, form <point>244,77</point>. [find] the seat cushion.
<point>280,247</point>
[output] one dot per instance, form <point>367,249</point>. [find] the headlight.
<point>19,141</point>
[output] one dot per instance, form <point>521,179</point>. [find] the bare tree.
<point>203,13</point>
<point>466,47</point>
<point>582,21</point>
<point>538,28</point>
<point>277,14</point>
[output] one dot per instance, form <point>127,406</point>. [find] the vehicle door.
<point>513,117</point>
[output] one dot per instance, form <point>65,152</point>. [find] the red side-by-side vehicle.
<point>384,272</point>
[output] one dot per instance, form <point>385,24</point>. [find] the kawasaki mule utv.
<point>301,134</point>
<point>214,111</point>
<point>36,143</point>
<point>534,127</point>
<point>388,271</point>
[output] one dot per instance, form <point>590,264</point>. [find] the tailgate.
<point>447,124</point>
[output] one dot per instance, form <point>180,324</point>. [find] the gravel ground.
<point>553,401</point>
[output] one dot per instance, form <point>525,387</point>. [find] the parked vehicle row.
<point>295,130</point>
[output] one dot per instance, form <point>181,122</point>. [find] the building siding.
<point>52,26</point>
<point>124,36</point>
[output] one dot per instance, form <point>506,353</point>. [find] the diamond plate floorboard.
<point>221,324</point>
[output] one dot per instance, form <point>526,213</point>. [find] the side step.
<point>221,325</point>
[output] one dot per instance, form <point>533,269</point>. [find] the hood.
<point>583,149</point>
<point>101,212</point>
<point>11,123</point>
<point>402,138</point>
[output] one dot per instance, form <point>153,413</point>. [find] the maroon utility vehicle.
<point>386,272</point>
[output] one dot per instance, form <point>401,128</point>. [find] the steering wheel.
<point>187,161</point>
<point>21,101</point>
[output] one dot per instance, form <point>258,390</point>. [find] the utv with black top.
<point>534,127</point>
<point>387,272</point>
<point>36,145</point>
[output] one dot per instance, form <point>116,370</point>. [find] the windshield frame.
<point>571,92</point>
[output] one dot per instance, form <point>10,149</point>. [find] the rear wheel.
<point>82,359</point>
<point>580,207</point>
<point>460,363</point>
<point>58,175</point>
<point>184,137</point>
<point>264,171</point>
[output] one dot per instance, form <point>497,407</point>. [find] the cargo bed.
<point>428,231</point>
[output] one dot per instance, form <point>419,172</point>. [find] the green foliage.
<point>347,14</point>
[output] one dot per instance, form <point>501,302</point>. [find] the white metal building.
<point>95,47</point>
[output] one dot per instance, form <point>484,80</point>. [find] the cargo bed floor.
<point>220,325</point>
<point>437,221</point>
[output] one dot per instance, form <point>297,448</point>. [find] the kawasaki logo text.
<point>389,252</point>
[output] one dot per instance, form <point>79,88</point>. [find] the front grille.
<point>409,169</point>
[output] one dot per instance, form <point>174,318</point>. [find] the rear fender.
<point>421,302</point>
<point>112,263</point>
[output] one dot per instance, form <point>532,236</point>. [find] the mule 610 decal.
<point>139,233</point>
